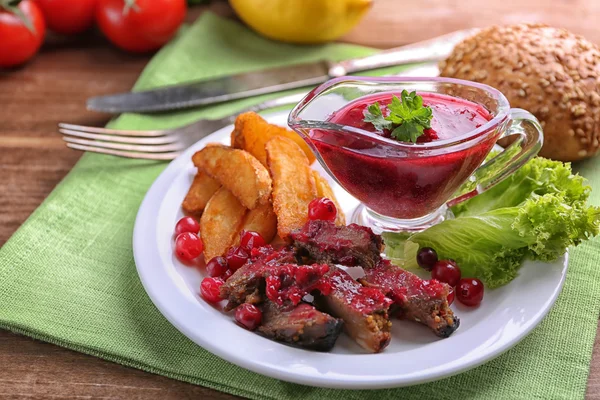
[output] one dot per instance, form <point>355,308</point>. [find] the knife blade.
<point>272,80</point>
<point>218,90</point>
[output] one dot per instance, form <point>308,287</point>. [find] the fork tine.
<point>126,154</point>
<point>120,139</point>
<point>129,147</point>
<point>119,132</point>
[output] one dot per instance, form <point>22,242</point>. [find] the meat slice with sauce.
<point>423,301</point>
<point>247,282</point>
<point>274,275</point>
<point>301,325</point>
<point>420,300</point>
<point>273,280</point>
<point>346,245</point>
<point>363,309</point>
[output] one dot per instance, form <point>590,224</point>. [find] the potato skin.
<point>238,171</point>
<point>293,184</point>
<point>221,221</point>
<point>251,133</point>
<point>202,189</point>
<point>550,72</point>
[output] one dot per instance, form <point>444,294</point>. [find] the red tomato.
<point>144,26</point>
<point>17,43</point>
<point>68,16</point>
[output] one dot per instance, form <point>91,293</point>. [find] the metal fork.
<point>157,144</point>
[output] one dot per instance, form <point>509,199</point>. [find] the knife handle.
<point>435,49</point>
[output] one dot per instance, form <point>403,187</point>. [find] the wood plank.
<point>393,23</point>
<point>32,369</point>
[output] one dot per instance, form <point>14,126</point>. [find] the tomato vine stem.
<point>12,6</point>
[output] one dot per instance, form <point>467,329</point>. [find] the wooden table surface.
<point>33,159</point>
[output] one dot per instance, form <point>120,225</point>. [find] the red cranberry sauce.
<point>366,300</point>
<point>401,285</point>
<point>293,282</point>
<point>395,182</point>
<point>288,283</point>
<point>285,280</point>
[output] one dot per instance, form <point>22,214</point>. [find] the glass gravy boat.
<point>404,186</point>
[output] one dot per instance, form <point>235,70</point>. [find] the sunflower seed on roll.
<point>550,72</point>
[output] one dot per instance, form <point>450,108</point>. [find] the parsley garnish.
<point>407,120</point>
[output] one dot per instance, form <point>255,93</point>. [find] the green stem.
<point>8,4</point>
<point>12,6</point>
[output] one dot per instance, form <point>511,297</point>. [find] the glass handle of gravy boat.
<point>526,145</point>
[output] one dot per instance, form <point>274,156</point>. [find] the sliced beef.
<point>363,309</point>
<point>325,242</point>
<point>423,301</point>
<point>273,275</point>
<point>246,281</point>
<point>301,325</point>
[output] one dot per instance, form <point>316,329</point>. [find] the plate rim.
<point>153,287</point>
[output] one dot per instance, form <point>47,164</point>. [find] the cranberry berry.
<point>216,267</point>
<point>187,224</point>
<point>236,257</point>
<point>446,271</point>
<point>250,240</point>
<point>322,209</point>
<point>188,246</point>
<point>469,291</point>
<point>210,289</point>
<point>249,316</point>
<point>426,258</point>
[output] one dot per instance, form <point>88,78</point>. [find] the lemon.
<point>301,21</point>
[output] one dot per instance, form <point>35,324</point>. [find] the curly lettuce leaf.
<point>539,176</point>
<point>556,223</point>
<point>538,212</point>
<point>492,245</point>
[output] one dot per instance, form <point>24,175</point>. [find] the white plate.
<point>414,356</point>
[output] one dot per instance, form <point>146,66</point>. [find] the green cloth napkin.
<point>67,276</point>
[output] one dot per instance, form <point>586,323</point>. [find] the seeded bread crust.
<point>550,72</point>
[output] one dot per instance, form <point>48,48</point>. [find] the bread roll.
<point>550,72</point>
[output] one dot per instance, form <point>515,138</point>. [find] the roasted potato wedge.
<point>262,220</point>
<point>251,133</point>
<point>221,221</point>
<point>238,171</point>
<point>324,190</point>
<point>202,189</point>
<point>293,184</point>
